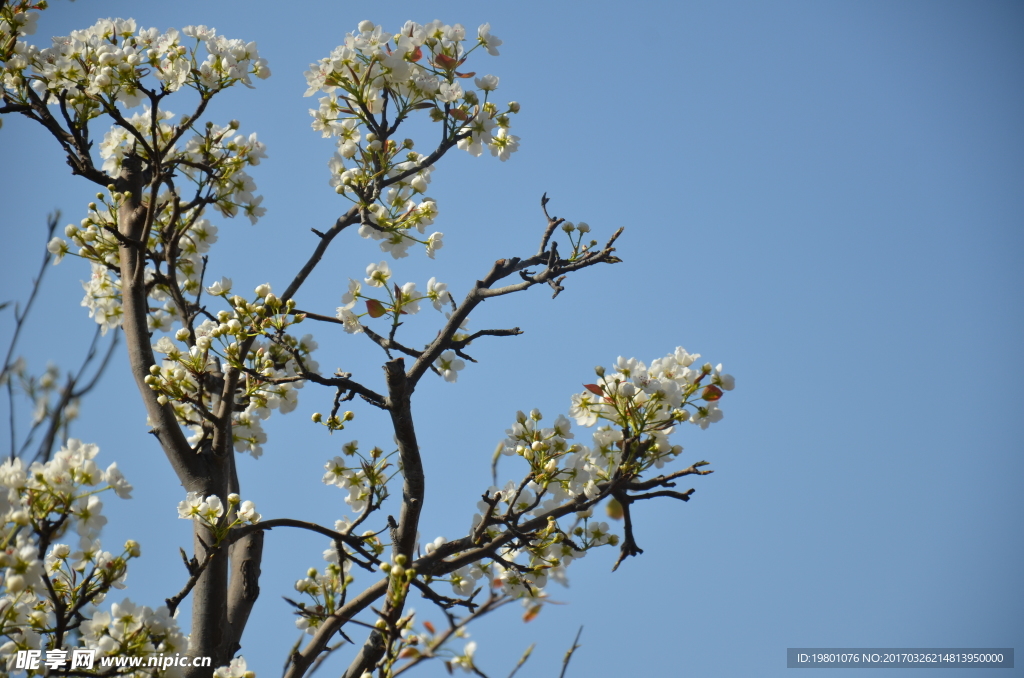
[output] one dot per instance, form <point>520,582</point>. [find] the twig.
<point>522,660</point>
<point>568,655</point>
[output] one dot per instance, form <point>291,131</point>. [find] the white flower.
<point>58,247</point>
<point>117,482</point>
<point>377,275</point>
<point>503,144</point>
<point>350,322</point>
<point>236,669</point>
<point>348,299</point>
<point>434,243</point>
<point>221,287</point>
<point>448,364</point>
<point>189,507</point>
<point>490,42</point>
<point>437,292</point>
<point>487,83</point>
<point>247,513</point>
<point>407,300</point>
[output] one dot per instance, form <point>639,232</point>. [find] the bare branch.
<point>353,542</point>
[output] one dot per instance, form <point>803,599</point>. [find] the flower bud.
<point>133,548</point>
<point>182,334</point>
<point>513,106</point>
<point>583,227</point>
<point>380,624</point>
<point>234,124</point>
<point>203,343</point>
<point>401,559</point>
<point>317,417</point>
<point>599,371</point>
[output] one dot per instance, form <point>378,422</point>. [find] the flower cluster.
<point>211,512</point>
<point>92,70</point>
<point>366,482</point>
<point>115,65</point>
<point>640,407</point>
<point>189,375</point>
<point>376,76</point>
<point>176,228</point>
<point>325,590</point>
<point>401,300</point>
<point>648,401</point>
<point>42,594</point>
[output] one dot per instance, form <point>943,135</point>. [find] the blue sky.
<point>826,197</point>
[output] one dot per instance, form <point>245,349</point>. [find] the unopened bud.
<point>513,106</point>
<point>317,417</point>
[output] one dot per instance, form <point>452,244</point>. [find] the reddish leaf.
<point>465,75</point>
<point>409,653</point>
<point>532,613</point>
<point>711,392</point>
<point>430,627</point>
<point>445,61</point>
<point>417,54</point>
<point>375,308</point>
<point>459,114</point>
<point>594,388</point>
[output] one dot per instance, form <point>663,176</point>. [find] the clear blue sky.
<point>827,197</point>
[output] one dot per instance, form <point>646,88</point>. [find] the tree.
<point>211,364</point>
